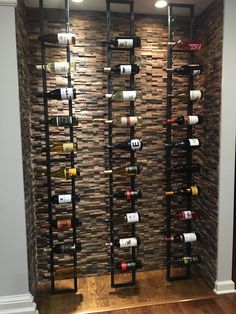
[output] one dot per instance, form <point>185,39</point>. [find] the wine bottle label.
<point>186,215</point>
<point>66,198</point>
<point>64,38</point>
<point>131,169</point>
<point>67,147</point>
<point>128,195</point>
<point>190,237</point>
<point>194,141</point>
<point>132,217</point>
<point>195,95</point>
<point>129,95</point>
<point>128,121</point>
<point>64,224</point>
<point>196,72</point>
<point>124,266</point>
<point>128,242</point>
<point>191,120</point>
<point>195,46</point>
<point>64,121</point>
<point>125,43</point>
<point>72,172</point>
<point>135,144</point>
<point>67,93</point>
<point>194,190</point>
<point>125,69</point>
<point>61,67</point>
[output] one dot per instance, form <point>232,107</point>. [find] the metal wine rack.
<point>110,51</point>
<point>49,160</point>
<point>189,177</point>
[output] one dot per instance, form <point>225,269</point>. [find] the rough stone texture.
<point>25,110</point>
<point>91,157</point>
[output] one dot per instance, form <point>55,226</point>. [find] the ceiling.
<point>140,6</point>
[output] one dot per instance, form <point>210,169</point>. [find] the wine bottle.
<point>123,69</point>
<point>129,265</point>
<point>186,260</point>
<point>184,168</point>
<point>66,224</point>
<point>65,198</point>
<point>185,144</point>
<point>133,145</point>
<point>129,218</point>
<point>60,94</point>
<point>57,67</point>
<point>187,215</point>
<point>187,45</point>
<point>130,95</point>
<point>183,237</point>
<point>60,38</point>
<point>67,248</point>
<point>63,82</point>
<point>125,242</point>
<point>66,173</point>
<point>64,148</point>
<point>188,69</point>
<point>123,121</point>
<point>124,42</point>
<point>192,95</point>
<point>192,190</point>
<point>125,171</point>
<point>64,121</point>
<point>128,195</point>
<point>186,120</point>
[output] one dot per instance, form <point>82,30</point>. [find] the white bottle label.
<point>129,121</point>
<point>192,120</point>
<point>132,217</point>
<point>187,214</point>
<point>64,38</point>
<point>193,141</point>
<point>196,72</point>
<point>125,43</point>
<point>67,147</point>
<point>67,93</point>
<point>125,69</point>
<point>61,67</point>
<point>66,198</point>
<point>129,95</point>
<point>128,242</point>
<point>190,237</point>
<point>195,94</point>
<point>135,144</point>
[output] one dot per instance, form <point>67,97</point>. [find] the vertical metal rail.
<point>47,142</point>
<point>67,27</point>
<point>169,137</point>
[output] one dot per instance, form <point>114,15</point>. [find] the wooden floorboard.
<point>95,295</point>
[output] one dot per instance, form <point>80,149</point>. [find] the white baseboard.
<point>223,287</point>
<point>18,304</point>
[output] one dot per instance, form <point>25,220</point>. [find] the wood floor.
<point>152,294</point>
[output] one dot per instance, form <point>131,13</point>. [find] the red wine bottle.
<point>184,168</point>
<point>187,215</point>
<point>67,248</point>
<point>123,69</point>
<point>188,69</point>
<point>183,237</point>
<point>60,94</point>
<point>66,224</point>
<point>65,198</point>
<point>60,38</point>
<point>128,195</point>
<point>125,242</point>
<point>124,42</point>
<point>187,45</point>
<point>186,120</point>
<point>186,260</point>
<point>192,190</point>
<point>128,265</point>
<point>133,145</point>
<point>185,144</point>
<point>64,121</point>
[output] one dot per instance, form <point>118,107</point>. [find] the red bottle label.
<point>124,266</point>
<point>128,195</point>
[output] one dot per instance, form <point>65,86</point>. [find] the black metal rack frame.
<point>132,133</point>
<point>170,53</point>
<point>48,155</point>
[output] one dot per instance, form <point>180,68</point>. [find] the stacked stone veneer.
<point>91,136</point>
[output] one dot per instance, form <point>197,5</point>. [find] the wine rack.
<point>185,274</point>
<point>110,51</point>
<point>49,160</point>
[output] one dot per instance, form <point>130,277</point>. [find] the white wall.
<point>13,254</point>
<point>224,283</point>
